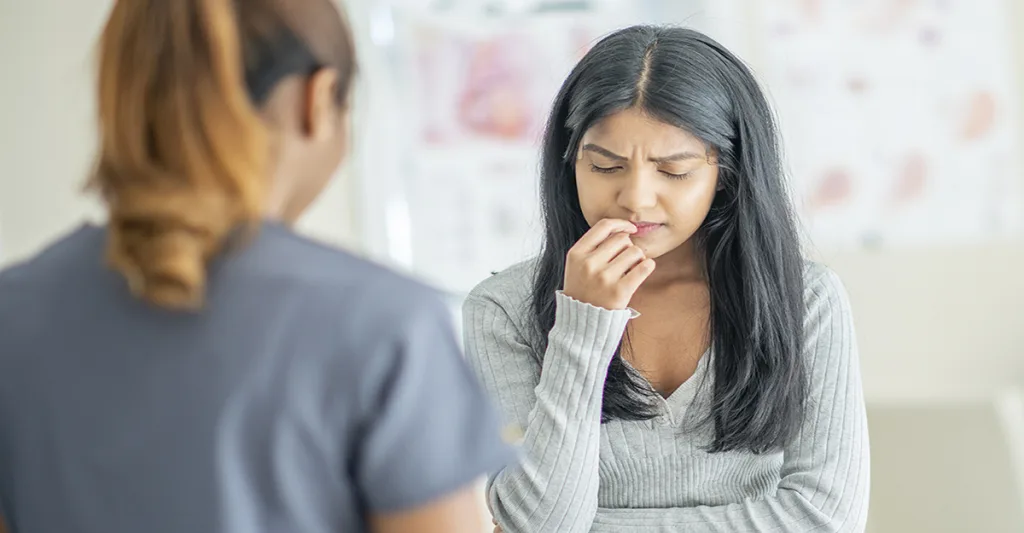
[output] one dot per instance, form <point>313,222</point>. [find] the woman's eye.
<point>676,176</point>
<point>602,170</point>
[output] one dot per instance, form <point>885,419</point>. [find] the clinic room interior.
<point>902,127</point>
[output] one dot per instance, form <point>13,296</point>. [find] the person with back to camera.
<point>674,362</point>
<point>227,375</point>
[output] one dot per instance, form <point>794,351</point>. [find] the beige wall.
<point>944,323</point>
<point>45,113</point>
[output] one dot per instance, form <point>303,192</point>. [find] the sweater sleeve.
<point>555,400</point>
<point>825,474</point>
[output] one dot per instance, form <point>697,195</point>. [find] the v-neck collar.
<point>676,403</point>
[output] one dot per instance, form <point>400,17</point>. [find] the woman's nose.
<point>638,192</point>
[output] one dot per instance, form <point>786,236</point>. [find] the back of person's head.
<point>749,242</point>
<point>211,114</point>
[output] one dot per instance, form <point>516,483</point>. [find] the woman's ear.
<point>321,109</point>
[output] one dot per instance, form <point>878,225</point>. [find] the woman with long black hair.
<point>674,361</point>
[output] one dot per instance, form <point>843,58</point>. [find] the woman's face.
<point>658,176</point>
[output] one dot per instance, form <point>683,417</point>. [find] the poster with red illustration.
<point>900,117</point>
<point>479,92</point>
<point>490,83</point>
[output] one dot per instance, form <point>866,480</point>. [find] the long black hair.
<point>749,241</point>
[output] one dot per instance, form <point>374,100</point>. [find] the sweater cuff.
<point>586,330</point>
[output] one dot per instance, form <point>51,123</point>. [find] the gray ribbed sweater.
<point>579,475</point>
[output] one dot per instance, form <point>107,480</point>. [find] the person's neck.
<point>278,208</point>
<point>280,201</point>
<point>677,267</point>
<point>278,216</point>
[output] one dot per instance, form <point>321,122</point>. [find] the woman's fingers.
<point>601,231</point>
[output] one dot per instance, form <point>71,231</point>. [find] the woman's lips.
<point>645,228</point>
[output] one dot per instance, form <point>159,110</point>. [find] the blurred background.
<point>902,127</point>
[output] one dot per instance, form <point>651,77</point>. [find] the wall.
<point>46,141</point>
<point>942,324</point>
<point>940,332</point>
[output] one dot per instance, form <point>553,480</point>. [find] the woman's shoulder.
<point>512,286</point>
<point>817,274</point>
<point>508,291</point>
<point>824,292</point>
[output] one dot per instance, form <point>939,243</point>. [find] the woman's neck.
<point>680,266</point>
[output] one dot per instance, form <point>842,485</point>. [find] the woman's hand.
<point>604,268</point>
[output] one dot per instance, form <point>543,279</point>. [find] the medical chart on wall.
<point>900,117</point>
<point>482,92</point>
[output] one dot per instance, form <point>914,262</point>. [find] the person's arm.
<point>558,408</point>
<point>455,513</point>
<point>825,473</point>
<point>558,402</point>
<point>428,433</point>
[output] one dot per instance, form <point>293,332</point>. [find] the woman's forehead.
<point>627,130</point>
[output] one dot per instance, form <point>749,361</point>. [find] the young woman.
<point>194,365</point>
<point>674,362</point>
